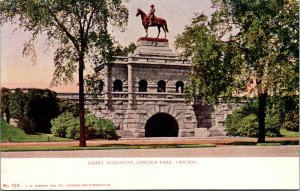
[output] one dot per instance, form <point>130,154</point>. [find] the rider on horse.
<point>151,15</point>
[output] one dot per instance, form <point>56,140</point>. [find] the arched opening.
<point>179,87</point>
<point>143,85</point>
<point>118,86</point>
<point>161,125</point>
<point>161,86</point>
<point>100,86</point>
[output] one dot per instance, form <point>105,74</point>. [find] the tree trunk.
<point>82,141</point>
<point>7,113</point>
<point>262,100</point>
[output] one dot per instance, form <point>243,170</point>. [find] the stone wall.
<point>130,109</point>
<point>194,120</point>
<point>213,117</point>
<point>135,119</point>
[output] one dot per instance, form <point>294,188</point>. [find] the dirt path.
<point>219,151</point>
<point>146,141</point>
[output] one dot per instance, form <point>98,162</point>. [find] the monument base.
<point>153,47</point>
<point>153,39</point>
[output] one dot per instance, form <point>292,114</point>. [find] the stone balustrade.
<point>123,96</point>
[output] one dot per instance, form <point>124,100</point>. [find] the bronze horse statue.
<point>158,22</point>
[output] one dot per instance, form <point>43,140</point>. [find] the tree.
<point>4,105</point>
<point>245,42</point>
<point>41,107</point>
<point>79,27</point>
<point>124,51</point>
<point>17,104</point>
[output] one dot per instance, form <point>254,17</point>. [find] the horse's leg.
<point>146,29</point>
<point>158,27</point>
<point>163,27</point>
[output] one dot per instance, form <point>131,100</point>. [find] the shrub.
<point>73,131</point>
<point>35,105</point>
<point>66,125</point>
<point>232,122</point>
<point>273,125</point>
<point>248,126</point>
<point>27,125</point>
<point>288,110</point>
<point>244,122</point>
<point>291,121</point>
<point>42,107</point>
<point>62,123</point>
<point>66,105</point>
<point>100,128</point>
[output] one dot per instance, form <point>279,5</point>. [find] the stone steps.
<point>125,133</point>
<point>216,132</point>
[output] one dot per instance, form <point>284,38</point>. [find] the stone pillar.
<point>130,90</point>
<point>106,84</point>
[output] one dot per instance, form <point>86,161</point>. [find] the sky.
<point>18,72</point>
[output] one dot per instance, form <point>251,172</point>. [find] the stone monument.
<point>143,93</point>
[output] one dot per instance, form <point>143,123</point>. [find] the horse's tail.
<point>166,26</point>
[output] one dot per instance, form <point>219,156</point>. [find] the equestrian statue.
<point>152,21</point>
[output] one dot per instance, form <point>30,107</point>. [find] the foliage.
<point>77,29</point>
<point>17,103</point>
<point>291,121</point>
<point>41,108</point>
<point>212,75</point>
<point>287,109</point>
<point>248,126</point>
<point>11,133</point>
<point>124,51</point>
<point>27,125</point>
<point>68,126</point>
<point>4,103</point>
<point>243,40</point>
<point>33,109</point>
<point>247,48</point>
<point>100,128</point>
<point>62,123</point>
<point>273,125</point>
<point>94,84</point>
<point>283,105</point>
<point>244,122</point>
<point>73,131</point>
<point>66,105</point>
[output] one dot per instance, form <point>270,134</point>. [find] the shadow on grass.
<point>267,143</point>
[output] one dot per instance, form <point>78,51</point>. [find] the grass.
<point>106,147</point>
<point>10,133</point>
<point>267,143</point>
<point>286,133</point>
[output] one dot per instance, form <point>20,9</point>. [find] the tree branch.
<point>89,24</point>
<point>69,35</point>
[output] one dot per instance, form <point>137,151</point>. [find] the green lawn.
<point>286,133</point>
<point>105,147</point>
<point>10,133</point>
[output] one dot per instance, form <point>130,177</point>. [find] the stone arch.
<point>169,109</point>
<point>162,109</point>
<point>161,86</point>
<point>101,85</point>
<point>143,86</point>
<point>161,125</point>
<point>179,87</point>
<point>118,86</point>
